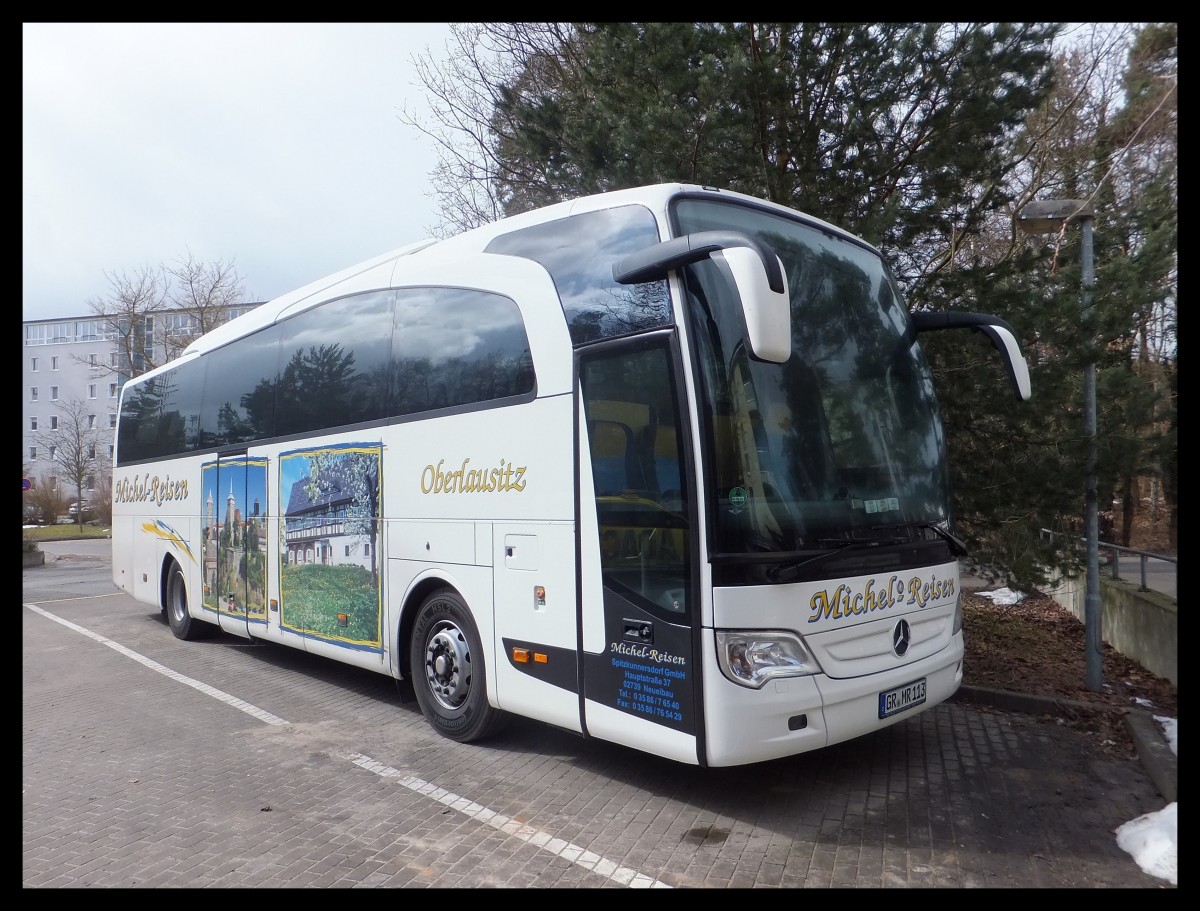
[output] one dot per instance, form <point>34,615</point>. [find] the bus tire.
<point>446,657</point>
<point>175,604</point>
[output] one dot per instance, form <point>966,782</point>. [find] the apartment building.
<point>80,360</point>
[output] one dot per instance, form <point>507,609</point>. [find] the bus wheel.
<point>448,675</point>
<point>183,625</point>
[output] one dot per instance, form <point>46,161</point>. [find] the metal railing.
<point>1113,553</point>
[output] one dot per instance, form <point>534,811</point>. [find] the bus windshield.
<point>842,443</point>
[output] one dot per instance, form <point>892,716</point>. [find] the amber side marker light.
<point>523,655</point>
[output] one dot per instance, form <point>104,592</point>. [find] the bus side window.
<point>665,452</point>
<point>613,456</point>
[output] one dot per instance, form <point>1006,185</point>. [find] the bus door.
<point>639,611</point>
<point>235,541</point>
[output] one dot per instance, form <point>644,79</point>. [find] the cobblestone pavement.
<point>147,761</point>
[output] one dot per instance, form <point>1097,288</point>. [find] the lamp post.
<point>1050,216</point>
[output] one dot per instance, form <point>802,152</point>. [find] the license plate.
<point>902,698</point>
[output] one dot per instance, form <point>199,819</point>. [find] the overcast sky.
<point>276,146</point>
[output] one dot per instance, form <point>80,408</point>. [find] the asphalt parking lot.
<point>150,762</point>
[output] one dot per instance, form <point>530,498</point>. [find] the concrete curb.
<point>1153,751</point>
<point>1161,763</point>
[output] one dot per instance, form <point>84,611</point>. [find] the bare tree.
<point>475,182</point>
<point>126,312</point>
<point>201,296</point>
<point>154,313</point>
<point>72,447</point>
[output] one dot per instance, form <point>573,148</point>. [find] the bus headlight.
<point>752,657</point>
<point>958,616</point>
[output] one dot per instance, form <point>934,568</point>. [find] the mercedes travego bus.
<point>661,466</point>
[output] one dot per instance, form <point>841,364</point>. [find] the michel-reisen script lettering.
<point>155,489</point>
<point>846,601</point>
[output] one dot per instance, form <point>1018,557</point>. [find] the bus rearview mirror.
<point>754,268</point>
<point>767,313</point>
<point>1002,336</point>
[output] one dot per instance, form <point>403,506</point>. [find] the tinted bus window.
<point>239,374</point>
<point>334,366</point>
<point>137,437</point>
<point>454,346</point>
<point>180,428</point>
<point>160,416</point>
<point>578,252</point>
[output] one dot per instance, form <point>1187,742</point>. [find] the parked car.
<point>33,514</point>
<point>81,506</point>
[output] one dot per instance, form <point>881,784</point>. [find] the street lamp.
<point>1051,216</point>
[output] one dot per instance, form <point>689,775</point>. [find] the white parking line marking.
<point>219,695</point>
<point>517,829</point>
<point>509,826</point>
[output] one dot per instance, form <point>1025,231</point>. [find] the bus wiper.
<point>957,547</point>
<point>840,546</point>
<point>791,571</point>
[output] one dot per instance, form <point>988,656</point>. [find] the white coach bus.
<point>662,466</point>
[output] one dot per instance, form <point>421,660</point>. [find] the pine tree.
<point>926,139</point>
